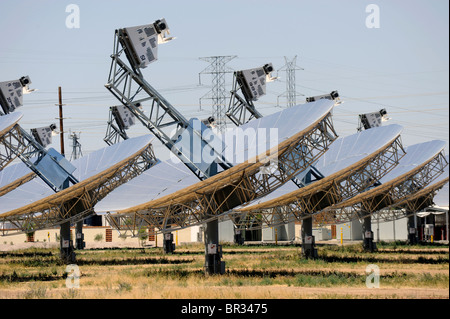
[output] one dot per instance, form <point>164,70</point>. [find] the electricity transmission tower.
<point>217,94</point>
<point>76,147</point>
<point>290,94</point>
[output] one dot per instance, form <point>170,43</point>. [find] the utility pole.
<point>66,246</point>
<point>61,122</point>
<point>290,94</point>
<point>218,93</point>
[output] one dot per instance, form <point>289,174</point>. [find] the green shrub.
<point>98,237</point>
<point>124,286</point>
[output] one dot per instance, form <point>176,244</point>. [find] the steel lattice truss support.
<point>13,144</point>
<point>17,143</point>
<point>390,195</point>
<point>324,193</point>
<point>77,202</point>
<point>243,185</point>
<point>375,169</point>
<point>113,132</point>
<point>128,85</point>
<point>414,203</point>
<point>127,225</point>
<point>240,110</point>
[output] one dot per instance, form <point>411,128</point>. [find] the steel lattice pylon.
<point>218,93</point>
<point>291,94</point>
<point>76,147</point>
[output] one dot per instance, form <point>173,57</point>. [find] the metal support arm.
<point>128,85</point>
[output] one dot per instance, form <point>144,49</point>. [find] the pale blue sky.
<point>402,66</point>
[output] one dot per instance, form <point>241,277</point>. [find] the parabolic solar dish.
<point>425,199</point>
<point>13,176</point>
<point>8,130</point>
<point>421,165</point>
<point>91,170</point>
<point>8,121</point>
<point>249,155</point>
<point>417,156</point>
<point>351,165</point>
<point>437,191</point>
<point>441,199</point>
<point>163,178</point>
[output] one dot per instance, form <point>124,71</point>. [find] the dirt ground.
<point>279,292</point>
<point>89,245</point>
<point>131,274</point>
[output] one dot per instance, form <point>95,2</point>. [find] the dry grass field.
<point>253,272</point>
